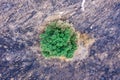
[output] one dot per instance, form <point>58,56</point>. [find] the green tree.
<point>58,40</point>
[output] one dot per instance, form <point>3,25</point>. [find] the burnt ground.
<point>20,25</point>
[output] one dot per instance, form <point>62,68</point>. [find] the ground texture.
<point>21,22</point>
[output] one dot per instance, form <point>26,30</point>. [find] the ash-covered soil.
<point>21,22</point>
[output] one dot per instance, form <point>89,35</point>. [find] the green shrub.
<point>58,40</point>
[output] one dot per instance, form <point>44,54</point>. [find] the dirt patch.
<point>84,40</point>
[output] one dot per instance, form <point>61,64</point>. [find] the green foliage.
<point>58,40</point>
